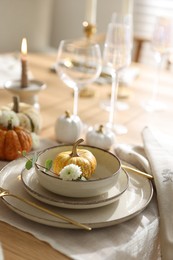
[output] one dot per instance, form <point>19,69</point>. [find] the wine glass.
<point>78,63</point>
<point>116,56</point>
<point>162,44</point>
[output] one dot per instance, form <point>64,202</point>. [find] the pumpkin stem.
<point>10,125</point>
<point>67,114</point>
<point>100,129</point>
<point>74,149</point>
<point>15,104</point>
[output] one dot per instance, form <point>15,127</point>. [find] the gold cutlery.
<point>4,192</point>
<point>149,176</point>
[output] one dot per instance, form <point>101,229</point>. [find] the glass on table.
<point>162,45</point>
<point>78,63</point>
<point>117,56</point>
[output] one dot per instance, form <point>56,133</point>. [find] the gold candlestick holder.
<point>89,31</point>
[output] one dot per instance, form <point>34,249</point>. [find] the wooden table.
<point>57,98</point>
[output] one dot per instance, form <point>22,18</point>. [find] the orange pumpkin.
<point>13,140</point>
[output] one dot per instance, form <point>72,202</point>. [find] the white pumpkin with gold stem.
<point>100,137</point>
<point>68,128</point>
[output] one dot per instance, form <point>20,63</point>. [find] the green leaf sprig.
<point>31,162</point>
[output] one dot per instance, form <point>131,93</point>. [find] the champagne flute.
<point>162,44</point>
<point>116,56</point>
<point>78,63</point>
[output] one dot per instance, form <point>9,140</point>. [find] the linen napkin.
<point>156,157</point>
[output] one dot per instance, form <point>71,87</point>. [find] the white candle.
<point>127,6</point>
<point>24,78</point>
<point>91,10</point>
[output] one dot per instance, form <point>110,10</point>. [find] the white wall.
<point>68,16</point>
<point>46,22</point>
<point>25,18</point>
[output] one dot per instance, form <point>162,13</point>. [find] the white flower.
<point>71,172</point>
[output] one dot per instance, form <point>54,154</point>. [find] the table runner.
<point>133,239</point>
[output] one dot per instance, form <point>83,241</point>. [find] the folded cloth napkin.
<point>156,158</point>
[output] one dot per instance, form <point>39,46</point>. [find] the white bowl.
<point>104,178</point>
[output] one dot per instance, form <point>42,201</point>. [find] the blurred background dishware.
<point>78,64</point>
<point>117,56</point>
<point>162,45</point>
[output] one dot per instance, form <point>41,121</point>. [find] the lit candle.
<point>24,76</point>
<point>91,10</point>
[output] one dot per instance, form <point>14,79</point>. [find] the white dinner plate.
<point>33,187</point>
<point>130,203</point>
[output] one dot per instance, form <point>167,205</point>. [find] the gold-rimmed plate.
<point>33,187</point>
<point>135,199</point>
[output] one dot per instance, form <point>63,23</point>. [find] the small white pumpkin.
<point>100,138</point>
<point>68,128</point>
<point>29,117</point>
<point>5,116</point>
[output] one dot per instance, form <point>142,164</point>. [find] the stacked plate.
<point>131,194</point>
<point>34,188</point>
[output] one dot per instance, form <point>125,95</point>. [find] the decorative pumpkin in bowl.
<point>81,157</point>
<point>101,171</point>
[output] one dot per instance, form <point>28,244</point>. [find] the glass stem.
<point>157,80</point>
<point>114,95</point>
<point>75,102</point>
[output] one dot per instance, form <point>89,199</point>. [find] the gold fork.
<point>4,192</point>
<point>149,176</point>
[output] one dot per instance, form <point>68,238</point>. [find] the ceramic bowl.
<point>104,178</point>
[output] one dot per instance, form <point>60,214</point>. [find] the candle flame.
<point>24,46</point>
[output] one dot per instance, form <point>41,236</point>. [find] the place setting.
<point>109,197</point>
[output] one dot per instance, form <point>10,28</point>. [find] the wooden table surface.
<point>57,98</point>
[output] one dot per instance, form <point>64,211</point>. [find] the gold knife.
<point>4,193</point>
